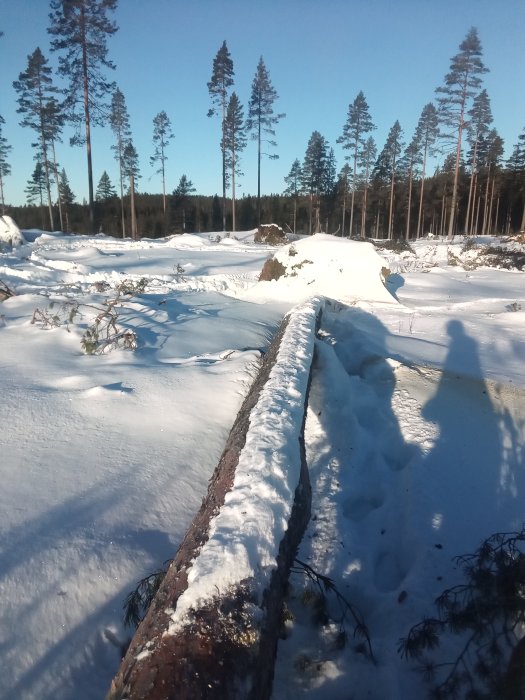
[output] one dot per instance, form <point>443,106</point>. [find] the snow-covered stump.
<point>212,629</point>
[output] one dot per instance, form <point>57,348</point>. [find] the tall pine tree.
<point>81,29</point>
<point>119,121</point>
<point>234,142</point>
<point>39,107</point>
<point>461,84</point>
<point>358,124</point>
<point>262,120</point>
<point>162,135</point>
<point>219,89</point>
<point>427,131</point>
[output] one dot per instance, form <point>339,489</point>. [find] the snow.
<point>10,234</point>
<point>414,439</point>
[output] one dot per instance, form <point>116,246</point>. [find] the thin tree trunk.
<point>59,196</point>
<point>391,206</point>
<point>476,223</point>
<point>294,214</point>
<point>2,194</point>
<point>344,212</point>
<point>233,188</point>
<point>353,191</point>
<point>132,202</point>
<point>363,213</point>
<point>496,218</point>
<point>491,202</point>
<point>486,205</point>
<point>87,120</point>
<point>409,204</point>
<point>420,212</point>
<point>259,164</point>
<point>452,219</point>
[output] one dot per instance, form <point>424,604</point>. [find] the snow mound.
<point>9,232</point>
<point>333,267</point>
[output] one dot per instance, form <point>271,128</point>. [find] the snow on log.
<point>10,234</point>
<point>212,629</point>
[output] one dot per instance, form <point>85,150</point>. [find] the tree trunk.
<point>87,121</point>
<point>233,188</point>
<point>409,204</point>
<point>452,219</point>
<point>2,193</point>
<point>391,206</point>
<point>420,212</point>
<point>59,196</point>
<point>259,166</point>
<point>133,212</point>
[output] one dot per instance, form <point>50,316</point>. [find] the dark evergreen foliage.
<point>487,613</point>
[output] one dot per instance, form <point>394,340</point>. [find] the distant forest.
<point>387,193</point>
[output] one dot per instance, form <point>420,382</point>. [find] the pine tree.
<point>41,112</point>
<point>105,189</point>
<point>461,84</point>
<point>366,160</point>
<point>162,135</point>
<point>477,129</point>
<point>427,131</point>
<point>234,142</point>
<point>411,159</point>
<point>218,87</point>
<point>130,166</point>
<point>81,28</point>
<point>387,165</point>
<point>180,197</point>
<point>262,119</point>
<point>5,168</point>
<point>119,122</point>
<point>294,180</point>
<point>357,125</point>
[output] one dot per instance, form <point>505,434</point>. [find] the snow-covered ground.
<point>414,433</point>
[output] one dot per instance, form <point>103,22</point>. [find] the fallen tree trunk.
<point>225,646</point>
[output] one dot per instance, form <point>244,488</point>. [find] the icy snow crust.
<point>414,432</point>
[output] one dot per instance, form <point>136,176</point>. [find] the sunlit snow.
<point>414,434</point>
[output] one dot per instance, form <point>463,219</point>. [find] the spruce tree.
<point>66,195</point>
<point>36,187</point>
<point>262,120</point>
<point>5,168</point>
<point>105,189</point>
<point>314,176</point>
<point>119,122</point>
<point>293,180</point>
<point>358,124</point>
<point>219,87</point>
<point>461,85</point>
<point>180,197</point>
<point>162,135</point>
<point>41,112</point>
<point>81,29</point>
<point>234,141</point>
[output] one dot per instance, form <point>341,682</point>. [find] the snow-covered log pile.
<point>212,629</point>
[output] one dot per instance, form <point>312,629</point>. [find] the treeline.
<point>496,208</point>
<point>380,193</point>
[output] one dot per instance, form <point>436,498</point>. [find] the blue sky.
<point>319,56</point>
